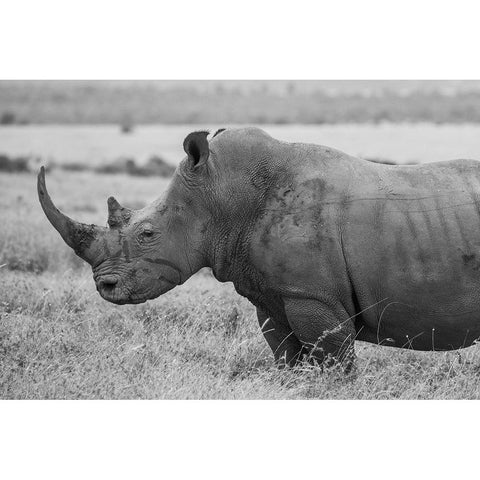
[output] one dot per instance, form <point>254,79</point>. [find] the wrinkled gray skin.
<point>328,247</point>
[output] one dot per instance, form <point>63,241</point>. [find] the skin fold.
<point>329,248</point>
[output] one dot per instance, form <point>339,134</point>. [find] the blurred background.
<point>59,339</point>
<point>138,127</point>
<point>99,138</point>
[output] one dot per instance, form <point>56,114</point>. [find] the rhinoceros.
<point>329,248</point>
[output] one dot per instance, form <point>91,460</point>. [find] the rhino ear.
<point>197,149</point>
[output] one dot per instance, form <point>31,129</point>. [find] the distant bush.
<point>126,128</point>
<point>155,166</point>
<point>158,166</point>
<point>120,165</point>
<point>126,125</point>
<point>74,167</point>
<point>14,165</point>
<point>8,118</point>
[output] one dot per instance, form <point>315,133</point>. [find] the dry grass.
<point>59,339</point>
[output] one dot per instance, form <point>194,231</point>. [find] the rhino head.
<point>145,253</point>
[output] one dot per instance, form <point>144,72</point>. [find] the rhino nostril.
<point>107,281</point>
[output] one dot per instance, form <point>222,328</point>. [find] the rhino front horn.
<point>117,215</point>
<point>84,239</point>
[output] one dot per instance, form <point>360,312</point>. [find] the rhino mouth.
<point>112,289</point>
<point>119,296</point>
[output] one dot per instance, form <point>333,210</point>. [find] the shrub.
<point>13,165</point>
<point>121,165</point>
<point>155,166</point>
<point>74,167</point>
<point>8,118</point>
<point>158,166</point>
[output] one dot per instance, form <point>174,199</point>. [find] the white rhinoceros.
<point>328,247</point>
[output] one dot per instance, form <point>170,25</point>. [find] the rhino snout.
<point>106,281</point>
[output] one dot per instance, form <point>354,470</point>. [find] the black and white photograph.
<point>239,240</point>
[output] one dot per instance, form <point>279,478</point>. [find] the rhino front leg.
<point>285,346</point>
<point>327,331</point>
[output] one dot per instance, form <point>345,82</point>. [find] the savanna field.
<point>60,339</point>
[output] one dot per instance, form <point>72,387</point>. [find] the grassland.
<point>227,102</point>
<point>59,339</point>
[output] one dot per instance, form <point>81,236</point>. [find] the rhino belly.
<point>423,322</point>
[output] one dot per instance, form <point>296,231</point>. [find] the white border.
<point>238,40</point>
<point>252,39</point>
<point>238,440</point>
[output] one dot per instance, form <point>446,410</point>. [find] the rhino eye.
<point>146,233</point>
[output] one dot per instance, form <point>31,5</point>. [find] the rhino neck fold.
<point>235,222</point>
<point>229,260</point>
<point>227,252</point>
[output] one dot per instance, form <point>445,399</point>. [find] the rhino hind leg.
<point>286,348</point>
<point>326,331</point>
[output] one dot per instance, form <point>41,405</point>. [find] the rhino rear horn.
<point>84,239</point>
<point>118,216</point>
